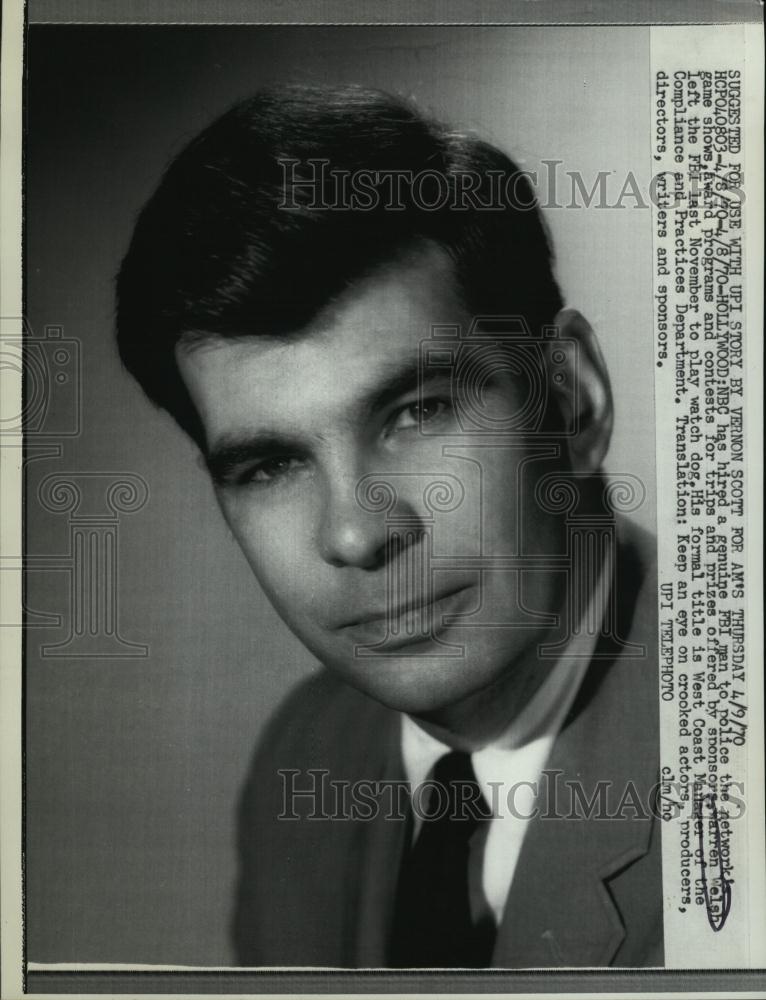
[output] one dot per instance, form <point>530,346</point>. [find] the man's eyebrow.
<point>233,451</point>
<point>404,378</point>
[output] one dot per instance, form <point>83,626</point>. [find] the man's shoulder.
<point>321,723</point>
<point>324,738</point>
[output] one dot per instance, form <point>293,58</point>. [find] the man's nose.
<point>353,535</point>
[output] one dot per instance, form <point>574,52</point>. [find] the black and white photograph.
<point>390,528</point>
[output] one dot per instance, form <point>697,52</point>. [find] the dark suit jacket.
<point>587,891</point>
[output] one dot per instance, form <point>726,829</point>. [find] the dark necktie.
<point>432,925</point>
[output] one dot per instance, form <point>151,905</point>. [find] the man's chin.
<point>420,685</point>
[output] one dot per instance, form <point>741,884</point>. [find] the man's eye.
<point>270,469</point>
<point>421,412</point>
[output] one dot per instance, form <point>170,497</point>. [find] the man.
<point>352,310</point>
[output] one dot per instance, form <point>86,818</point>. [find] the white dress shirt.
<point>508,769</point>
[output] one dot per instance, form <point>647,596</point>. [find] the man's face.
<point>299,430</point>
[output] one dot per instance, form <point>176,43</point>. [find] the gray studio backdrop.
<point>134,762</point>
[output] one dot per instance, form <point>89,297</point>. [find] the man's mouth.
<point>415,620</point>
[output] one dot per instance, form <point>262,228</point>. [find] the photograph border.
<point>177,981</point>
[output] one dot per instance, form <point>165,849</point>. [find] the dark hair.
<point>232,243</point>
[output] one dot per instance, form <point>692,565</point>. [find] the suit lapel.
<point>560,911</point>
<point>379,845</point>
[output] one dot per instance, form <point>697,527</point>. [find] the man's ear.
<point>578,380</point>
